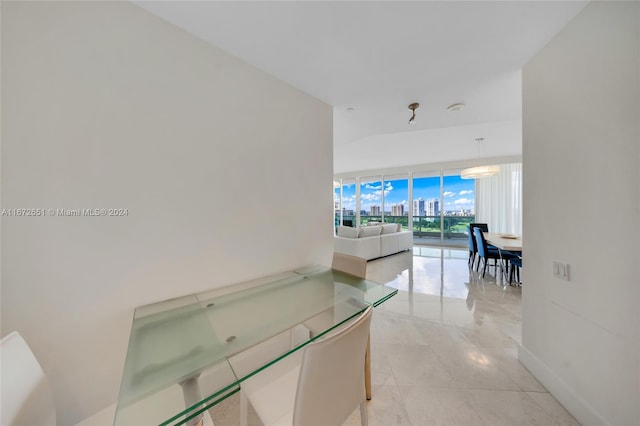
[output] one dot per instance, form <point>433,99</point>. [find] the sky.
<point>458,193</point>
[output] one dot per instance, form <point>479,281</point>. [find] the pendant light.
<point>479,171</point>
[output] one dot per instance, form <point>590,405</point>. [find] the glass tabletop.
<point>187,354</point>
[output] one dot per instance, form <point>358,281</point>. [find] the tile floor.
<point>444,349</point>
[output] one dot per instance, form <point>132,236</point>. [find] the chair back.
<point>331,381</point>
<point>480,242</point>
<point>472,240</point>
<point>482,226</point>
<point>26,396</point>
<point>350,264</point>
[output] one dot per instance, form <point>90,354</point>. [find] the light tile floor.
<point>444,349</point>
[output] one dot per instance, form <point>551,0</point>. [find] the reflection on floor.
<point>444,349</point>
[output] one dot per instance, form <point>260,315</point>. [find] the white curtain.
<point>499,200</point>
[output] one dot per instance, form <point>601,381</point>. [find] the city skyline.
<point>458,194</point>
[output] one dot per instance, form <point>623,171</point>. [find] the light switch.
<point>561,270</point>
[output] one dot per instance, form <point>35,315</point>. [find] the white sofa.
<point>371,242</point>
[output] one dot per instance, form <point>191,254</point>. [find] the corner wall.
<point>581,116</point>
<point>225,171</point>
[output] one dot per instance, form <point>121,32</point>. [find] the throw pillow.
<point>389,228</point>
<point>347,231</point>
<point>369,231</point>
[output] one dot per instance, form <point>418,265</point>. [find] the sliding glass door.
<point>443,206</point>
<point>396,200</point>
<point>426,189</point>
<point>458,207</point>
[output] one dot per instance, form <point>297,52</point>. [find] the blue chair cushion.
<point>505,254</point>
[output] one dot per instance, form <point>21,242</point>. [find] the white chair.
<point>356,266</point>
<point>350,264</point>
<point>26,396</point>
<point>320,385</point>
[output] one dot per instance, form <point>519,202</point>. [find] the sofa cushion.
<point>369,231</point>
<point>405,240</point>
<point>389,228</point>
<point>366,248</point>
<point>347,231</point>
<point>389,244</point>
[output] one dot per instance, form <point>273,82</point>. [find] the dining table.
<point>187,354</point>
<point>508,242</point>
<point>504,242</point>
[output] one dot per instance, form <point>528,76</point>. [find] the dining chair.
<point>355,266</point>
<point>487,253</point>
<point>483,226</point>
<point>473,248</point>
<point>349,264</point>
<point>26,397</point>
<point>320,385</point>
<point>514,272</point>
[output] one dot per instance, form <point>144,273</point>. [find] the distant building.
<point>433,207</point>
<point>346,212</point>
<point>375,211</point>
<point>397,210</point>
<point>461,212</point>
<point>418,207</point>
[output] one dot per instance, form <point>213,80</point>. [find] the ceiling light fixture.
<point>479,171</point>
<point>413,108</point>
<point>455,107</point>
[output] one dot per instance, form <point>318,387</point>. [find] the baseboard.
<point>564,393</point>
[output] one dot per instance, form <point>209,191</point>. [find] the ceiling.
<point>370,60</point>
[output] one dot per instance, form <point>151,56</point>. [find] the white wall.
<point>581,118</point>
<point>225,171</point>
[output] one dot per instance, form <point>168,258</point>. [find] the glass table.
<point>190,353</point>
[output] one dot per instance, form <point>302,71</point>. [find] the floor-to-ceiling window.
<point>337,203</point>
<point>396,199</point>
<point>437,205</point>
<point>458,206</point>
<point>371,199</point>
<point>426,188</point>
<point>443,206</point>
<point>349,202</point>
